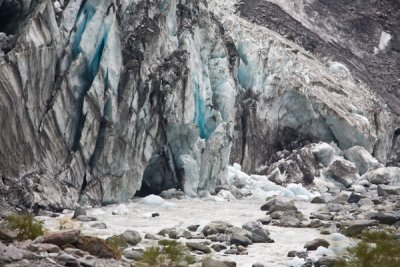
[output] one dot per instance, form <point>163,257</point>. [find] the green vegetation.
<point>25,225</point>
<point>117,244</point>
<point>376,248</point>
<point>168,252</point>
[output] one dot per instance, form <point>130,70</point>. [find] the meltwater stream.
<point>183,213</point>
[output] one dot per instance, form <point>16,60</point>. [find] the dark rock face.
<point>355,26</point>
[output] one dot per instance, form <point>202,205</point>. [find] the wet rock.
<point>99,225</point>
<point>177,233</point>
<point>242,240</point>
<point>193,228</point>
<point>216,227</point>
<point>198,246</point>
<point>314,244</point>
<point>265,220</point>
<point>219,238</point>
<point>232,251</point>
<point>150,237</point>
<point>131,236</point>
<point>386,217</point>
<point>329,261</point>
<point>342,171</point>
<point>133,254</point>
<point>238,231</point>
<point>278,204</point>
<point>299,254</point>
<point>85,218</point>
<point>387,190</point>
<point>120,210</point>
<point>258,234</point>
<point>354,198</point>
<point>218,247</point>
<point>257,265</point>
<point>318,200</point>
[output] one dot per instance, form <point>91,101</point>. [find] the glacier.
<point>106,100</point>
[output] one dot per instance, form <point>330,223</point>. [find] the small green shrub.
<point>376,248</point>
<point>25,225</point>
<point>117,244</point>
<point>168,252</point>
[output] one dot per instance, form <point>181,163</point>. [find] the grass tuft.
<point>25,225</point>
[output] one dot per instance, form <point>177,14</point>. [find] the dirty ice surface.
<point>137,215</point>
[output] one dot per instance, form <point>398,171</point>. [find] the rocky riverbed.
<point>269,219</point>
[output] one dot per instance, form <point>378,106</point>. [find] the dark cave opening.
<point>159,175</point>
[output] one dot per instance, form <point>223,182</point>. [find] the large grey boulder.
<point>131,236</point>
<point>342,171</point>
<point>363,160</point>
<point>387,190</point>
<point>385,175</point>
<point>216,227</point>
<point>258,234</point>
<point>278,203</point>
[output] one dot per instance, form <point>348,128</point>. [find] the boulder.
<point>241,240</point>
<point>386,217</point>
<point>79,211</point>
<point>132,237</point>
<point>324,153</point>
<point>177,233</point>
<point>218,247</point>
<point>342,171</point>
<point>85,218</point>
<point>258,234</point>
<point>356,227</point>
<point>216,227</point>
<point>316,243</point>
<point>387,175</point>
<point>329,261</point>
<point>198,246</point>
<point>99,225</point>
<point>60,238</point>
<point>318,200</point>
<point>132,254</point>
<point>354,198</point>
<point>278,203</point>
<point>363,160</point>
<point>387,190</point>
<point>193,228</point>
<point>6,235</point>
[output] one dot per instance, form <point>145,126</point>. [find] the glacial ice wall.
<point>108,99</point>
